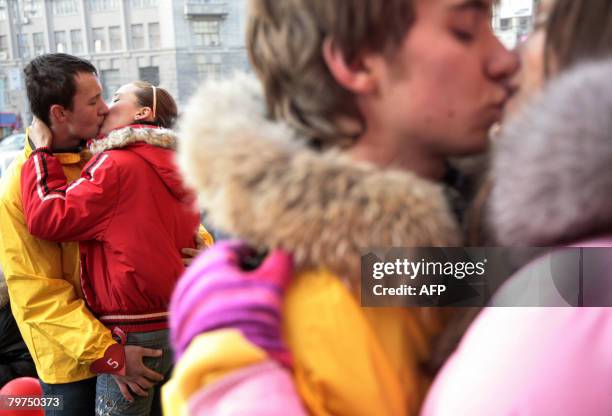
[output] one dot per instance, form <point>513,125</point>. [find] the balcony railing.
<point>214,8</point>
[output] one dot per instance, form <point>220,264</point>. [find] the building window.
<point>139,4</point>
<point>64,7</point>
<point>39,43</point>
<point>206,32</point>
<point>114,35</point>
<point>23,46</point>
<point>2,92</point>
<point>505,24</point>
<point>60,41</point>
<point>33,8</point>
<point>201,66</point>
<point>3,10</point>
<point>137,37</point>
<point>103,5</point>
<point>76,41</point>
<point>524,23</point>
<point>154,39</point>
<point>207,70</point>
<point>149,74</point>
<point>4,49</point>
<point>111,81</point>
<point>99,40</point>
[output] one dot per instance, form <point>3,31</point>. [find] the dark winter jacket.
<point>15,360</point>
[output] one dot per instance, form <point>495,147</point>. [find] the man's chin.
<point>472,145</point>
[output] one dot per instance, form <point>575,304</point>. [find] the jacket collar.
<point>65,158</point>
<point>131,134</point>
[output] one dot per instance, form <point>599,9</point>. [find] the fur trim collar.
<point>552,166</point>
<point>128,135</point>
<point>261,183</point>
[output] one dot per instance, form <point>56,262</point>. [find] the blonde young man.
<point>341,144</point>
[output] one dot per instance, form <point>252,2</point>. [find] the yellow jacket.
<point>43,279</point>
<point>348,360</point>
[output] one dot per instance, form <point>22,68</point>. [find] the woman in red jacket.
<point>132,216</point>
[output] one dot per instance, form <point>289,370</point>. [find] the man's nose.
<point>503,63</point>
<point>103,109</point>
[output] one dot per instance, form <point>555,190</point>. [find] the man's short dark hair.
<point>50,79</point>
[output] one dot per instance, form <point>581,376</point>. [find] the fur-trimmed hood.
<point>552,167</point>
<point>261,183</point>
<point>125,136</point>
<point>152,144</point>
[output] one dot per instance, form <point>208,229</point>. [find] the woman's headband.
<point>154,101</point>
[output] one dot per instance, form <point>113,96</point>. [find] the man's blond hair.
<point>285,42</point>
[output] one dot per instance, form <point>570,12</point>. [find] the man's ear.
<point>356,76</point>
<point>143,114</point>
<point>57,114</point>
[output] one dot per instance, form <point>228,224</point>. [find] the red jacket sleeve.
<point>57,211</point>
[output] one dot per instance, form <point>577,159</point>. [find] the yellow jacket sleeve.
<point>209,358</point>
<point>43,280</point>
<point>206,237</point>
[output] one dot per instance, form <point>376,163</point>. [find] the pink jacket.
<point>530,361</point>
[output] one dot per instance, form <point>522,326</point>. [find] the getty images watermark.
<point>486,276</point>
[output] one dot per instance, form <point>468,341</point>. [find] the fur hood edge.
<point>259,182</point>
<point>123,137</point>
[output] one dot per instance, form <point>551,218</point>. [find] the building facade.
<point>172,43</point>
<point>513,20</point>
<point>175,44</point>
